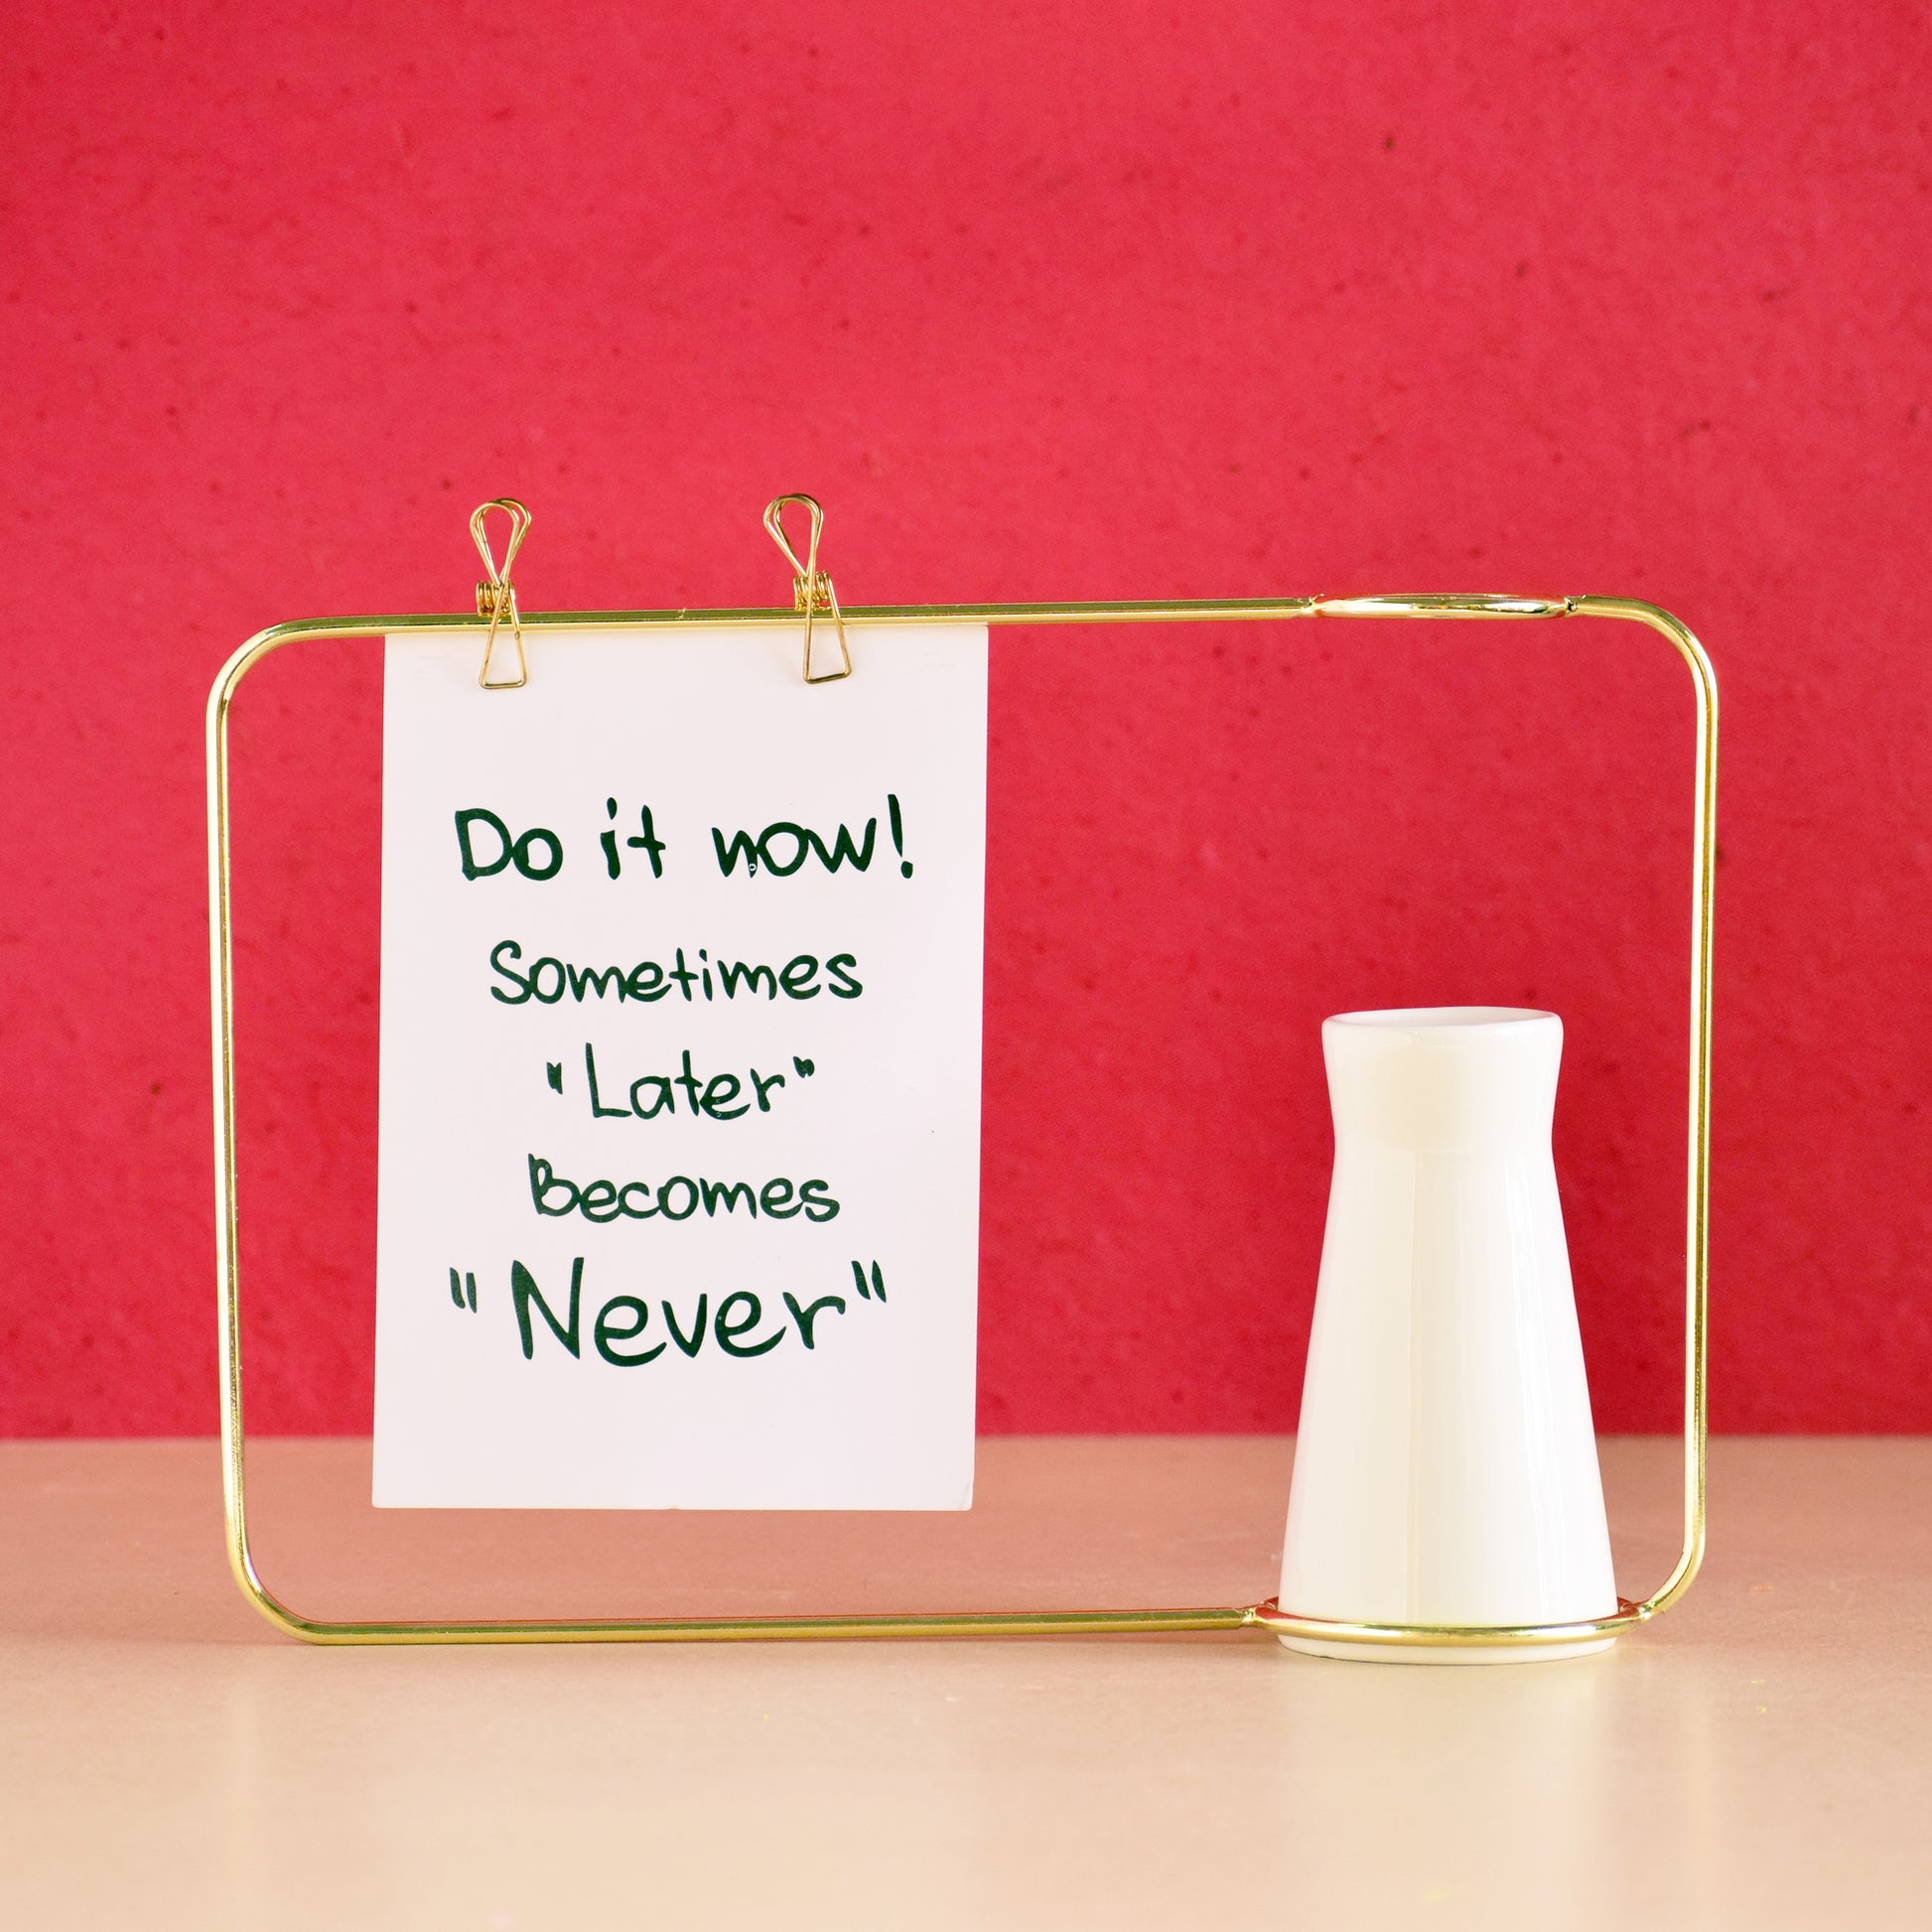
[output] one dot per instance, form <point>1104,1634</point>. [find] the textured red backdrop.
<point>1098,301</point>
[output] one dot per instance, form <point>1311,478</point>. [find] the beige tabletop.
<point>1761,1756</point>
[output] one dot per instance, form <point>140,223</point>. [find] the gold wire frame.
<point>1266,1616</point>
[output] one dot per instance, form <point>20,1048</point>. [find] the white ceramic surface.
<point>1445,1467</point>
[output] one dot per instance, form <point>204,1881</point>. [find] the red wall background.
<point>1095,301</point>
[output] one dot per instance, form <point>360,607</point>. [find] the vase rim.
<point>1445,1020</point>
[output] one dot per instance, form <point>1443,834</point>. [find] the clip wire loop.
<point>1262,1618</point>
<point>811,589</point>
<point>497,595</point>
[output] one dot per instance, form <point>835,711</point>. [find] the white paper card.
<point>678,1200</point>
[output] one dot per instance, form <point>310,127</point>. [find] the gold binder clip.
<point>497,596</point>
<point>811,589</point>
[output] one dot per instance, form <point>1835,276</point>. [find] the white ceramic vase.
<point>1446,1468</point>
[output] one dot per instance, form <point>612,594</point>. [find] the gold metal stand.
<point>495,605</point>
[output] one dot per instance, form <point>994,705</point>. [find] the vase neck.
<point>1466,1080</point>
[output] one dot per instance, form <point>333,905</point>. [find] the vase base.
<point>1447,1653</point>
